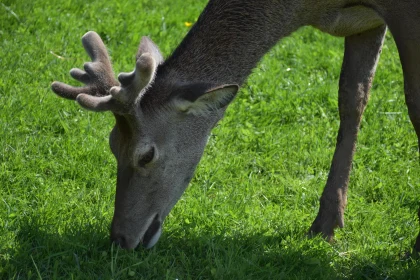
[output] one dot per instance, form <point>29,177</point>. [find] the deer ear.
<point>147,46</point>
<point>199,100</point>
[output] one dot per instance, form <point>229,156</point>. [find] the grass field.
<point>246,213</point>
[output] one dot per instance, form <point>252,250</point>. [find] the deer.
<point>165,109</point>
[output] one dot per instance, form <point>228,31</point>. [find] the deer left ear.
<point>198,99</point>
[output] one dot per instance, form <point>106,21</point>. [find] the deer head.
<point>161,129</point>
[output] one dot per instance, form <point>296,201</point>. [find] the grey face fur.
<point>157,153</point>
<point>165,110</point>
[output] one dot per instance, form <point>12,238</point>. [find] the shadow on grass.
<point>84,252</point>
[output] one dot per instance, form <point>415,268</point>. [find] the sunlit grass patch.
<point>256,190</point>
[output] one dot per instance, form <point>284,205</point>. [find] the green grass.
<point>256,190</point>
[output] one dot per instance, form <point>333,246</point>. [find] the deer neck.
<point>229,39</point>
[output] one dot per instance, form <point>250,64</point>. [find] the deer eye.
<point>147,157</point>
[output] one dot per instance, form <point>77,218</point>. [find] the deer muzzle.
<point>152,234</point>
<point>147,240</point>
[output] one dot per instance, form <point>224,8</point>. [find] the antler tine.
<point>97,76</point>
<point>134,82</point>
<point>148,57</point>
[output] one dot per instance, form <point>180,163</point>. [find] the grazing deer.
<point>165,110</point>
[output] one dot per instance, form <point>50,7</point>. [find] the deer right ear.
<point>197,99</point>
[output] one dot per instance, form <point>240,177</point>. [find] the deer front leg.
<point>360,59</point>
<point>406,32</point>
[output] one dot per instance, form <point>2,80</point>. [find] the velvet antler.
<point>101,91</point>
